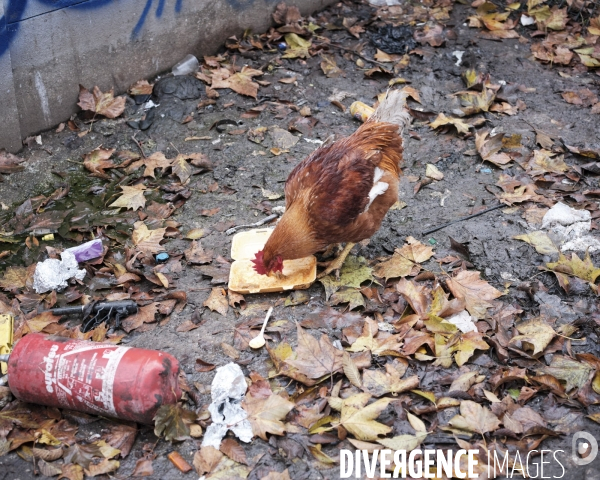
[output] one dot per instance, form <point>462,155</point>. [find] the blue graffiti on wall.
<point>15,12</point>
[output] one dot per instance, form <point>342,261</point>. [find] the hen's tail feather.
<point>392,109</point>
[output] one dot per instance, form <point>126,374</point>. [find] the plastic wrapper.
<point>227,391</point>
<point>87,251</point>
<point>53,274</point>
<point>571,228</point>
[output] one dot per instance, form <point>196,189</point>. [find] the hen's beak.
<point>278,275</point>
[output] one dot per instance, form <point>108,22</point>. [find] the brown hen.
<point>341,192</point>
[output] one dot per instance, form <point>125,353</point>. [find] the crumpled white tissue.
<point>571,227</point>
<point>227,391</point>
<point>52,274</point>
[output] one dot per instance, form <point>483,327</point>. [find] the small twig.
<point>439,227</point>
<point>351,51</point>
<point>232,230</point>
<point>139,146</point>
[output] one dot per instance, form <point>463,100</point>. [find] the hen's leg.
<point>331,250</point>
<point>336,264</point>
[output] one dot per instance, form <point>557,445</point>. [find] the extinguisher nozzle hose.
<point>4,358</point>
<point>3,380</point>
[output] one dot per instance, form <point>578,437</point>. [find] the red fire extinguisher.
<point>98,378</point>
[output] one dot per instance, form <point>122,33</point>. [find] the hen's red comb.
<point>259,264</point>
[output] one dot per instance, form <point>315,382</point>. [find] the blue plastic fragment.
<point>486,170</point>
<point>282,46</point>
<point>162,257</point>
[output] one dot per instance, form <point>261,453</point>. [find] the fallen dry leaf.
<point>266,414</point>
<point>103,103</point>
<point>475,418</point>
<point>476,292</point>
<point>358,418</point>
<point>442,119</point>
<point>147,241</point>
<point>217,301</point>
<point>535,334</point>
<point>132,197</point>
<point>97,161</point>
<point>316,358</point>
<point>10,163</point>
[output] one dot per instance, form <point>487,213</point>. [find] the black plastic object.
<point>394,39</point>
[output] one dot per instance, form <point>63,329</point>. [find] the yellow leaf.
<point>147,241</point>
<point>359,418</point>
<point>534,333</point>
<point>297,46</point>
<point>442,119</point>
<point>476,292</point>
<point>540,241</point>
<point>133,197</point>
<point>266,414</point>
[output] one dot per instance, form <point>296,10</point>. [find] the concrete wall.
<point>49,47</point>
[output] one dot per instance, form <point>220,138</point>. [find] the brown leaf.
<point>143,468</point>
<point>206,459</point>
<point>211,212</point>
<point>233,450</point>
<point>71,472</point>
<point>475,418</point>
<point>145,315</point>
<point>133,197</point>
<point>97,160</point>
<point>476,292</point>
<point>329,66</point>
<point>121,437</point>
<point>217,301</point>
<point>103,103</point>
<point>14,278</point>
<point>202,366</point>
<point>405,261</point>
<point>154,161</point>
<point>141,87</point>
<point>314,358</point>
<point>147,241</point>
<point>583,96</point>
<point>195,254</point>
<point>9,163</point>
<point>266,414</point>
<point>102,468</point>
<point>431,33</point>
<point>173,421</point>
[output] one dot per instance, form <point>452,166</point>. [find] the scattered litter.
<point>162,257</point>
<point>432,171</point>
<point>150,104</point>
<point>394,39</point>
<point>87,251</point>
<point>486,170</point>
<point>463,321</point>
<point>458,54</point>
<point>232,230</point>
<point>385,3</point>
<point>570,227</point>
<point>52,274</point>
<point>188,65</point>
<point>527,20</point>
<point>361,111</point>
<point>310,140</point>
<point>227,391</point>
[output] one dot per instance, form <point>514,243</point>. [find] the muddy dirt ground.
<point>242,169</point>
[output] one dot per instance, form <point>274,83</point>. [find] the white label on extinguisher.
<point>84,374</point>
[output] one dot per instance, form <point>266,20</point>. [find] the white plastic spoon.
<point>259,340</point>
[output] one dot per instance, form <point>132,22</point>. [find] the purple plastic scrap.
<point>87,251</point>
